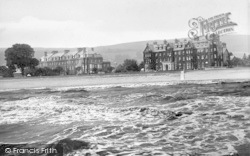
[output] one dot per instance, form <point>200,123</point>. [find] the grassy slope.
<point>238,44</point>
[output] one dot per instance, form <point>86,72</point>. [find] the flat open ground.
<point>93,80</point>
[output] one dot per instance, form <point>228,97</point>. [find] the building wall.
<point>70,63</point>
<point>198,54</point>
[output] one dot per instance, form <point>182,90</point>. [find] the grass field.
<point>116,79</point>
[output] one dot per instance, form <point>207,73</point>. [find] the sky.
<point>86,23</point>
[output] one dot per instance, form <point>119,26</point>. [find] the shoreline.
<point>231,74</point>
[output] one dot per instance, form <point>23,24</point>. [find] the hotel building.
<point>186,55</point>
<point>79,61</point>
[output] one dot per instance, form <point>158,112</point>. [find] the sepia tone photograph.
<point>124,78</point>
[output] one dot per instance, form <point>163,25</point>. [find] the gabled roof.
<point>156,47</point>
<point>58,54</point>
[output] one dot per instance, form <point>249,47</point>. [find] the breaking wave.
<point>171,119</point>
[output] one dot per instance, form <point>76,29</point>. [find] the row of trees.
<point>18,56</point>
<point>6,72</point>
<point>129,65</point>
<point>244,61</point>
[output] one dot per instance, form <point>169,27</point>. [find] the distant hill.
<point>238,44</point>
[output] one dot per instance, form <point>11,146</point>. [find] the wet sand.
<point>116,79</point>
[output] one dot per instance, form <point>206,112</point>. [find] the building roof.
<point>58,54</point>
<point>157,47</point>
<point>72,53</point>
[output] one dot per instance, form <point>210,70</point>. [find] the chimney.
<point>45,53</point>
<point>165,42</point>
<point>66,51</point>
<point>92,49</point>
<point>54,52</point>
<point>155,43</point>
<point>84,49</point>
<point>79,49</point>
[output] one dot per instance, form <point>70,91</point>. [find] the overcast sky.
<point>79,23</point>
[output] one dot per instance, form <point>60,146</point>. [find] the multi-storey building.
<point>82,60</point>
<point>195,54</point>
<point>159,56</point>
<point>183,55</point>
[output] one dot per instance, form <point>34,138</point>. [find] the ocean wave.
<point>183,118</point>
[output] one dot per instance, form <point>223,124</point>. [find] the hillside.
<point>238,44</point>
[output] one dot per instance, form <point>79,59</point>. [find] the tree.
<point>48,71</point>
<point>58,70</point>
<point>141,65</point>
<point>19,55</point>
<point>40,72</point>
<point>95,70</point>
<point>5,72</point>
<point>110,69</point>
<point>237,61</point>
<point>33,63</point>
<point>131,65</point>
<point>120,68</point>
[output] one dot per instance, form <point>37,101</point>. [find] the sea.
<point>207,118</point>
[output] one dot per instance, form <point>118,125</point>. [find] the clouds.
<point>47,32</point>
<point>69,33</point>
<point>65,23</point>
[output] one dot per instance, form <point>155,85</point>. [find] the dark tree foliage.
<point>58,70</point>
<point>49,71</point>
<point>110,69</point>
<point>151,66</point>
<point>119,69</point>
<point>141,65</point>
<point>131,65</point>
<point>40,72</point>
<point>19,55</point>
<point>5,72</point>
<point>237,62</point>
<point>95,70</point>
<point>33,63</point>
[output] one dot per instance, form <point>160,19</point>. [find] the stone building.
<point>186,55</point>
<point>79,61</point>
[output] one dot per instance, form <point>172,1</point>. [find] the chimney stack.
<point>54,52</point>
<point>165,42</point>
<point>92,49</point>
<point>79,49</point>
<point>84,49</point>
<point>155,43</point>
<point>45,53</point>
<point>66,51</point>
